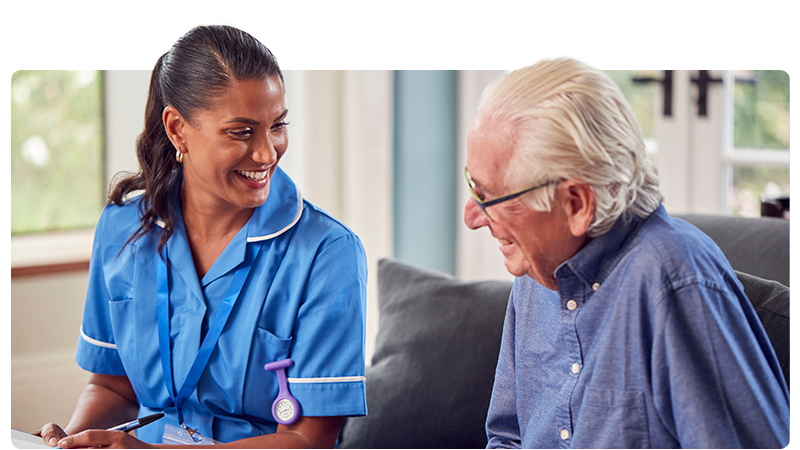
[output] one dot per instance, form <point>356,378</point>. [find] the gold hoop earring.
<point>179,156</point>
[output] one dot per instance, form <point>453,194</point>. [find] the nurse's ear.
<point>175,125</point>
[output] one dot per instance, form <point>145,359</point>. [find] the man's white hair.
<point>570,121</point>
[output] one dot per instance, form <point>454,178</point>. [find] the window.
<point>759,159</point>
<point>727,160</point>
<point>57,168</point>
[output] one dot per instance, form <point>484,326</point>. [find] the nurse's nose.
<point>265,152</point>
<point>474,217</point>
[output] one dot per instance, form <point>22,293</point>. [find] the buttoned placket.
<point>571,291</point>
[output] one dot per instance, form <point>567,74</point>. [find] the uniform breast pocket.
<point>610,418</point>
<point>261,387</point>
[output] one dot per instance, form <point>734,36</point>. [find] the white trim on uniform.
<point>294,221</point>
<point>96,342</point>
<point>326,380</point>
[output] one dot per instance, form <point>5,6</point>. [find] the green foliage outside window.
<point>57,165</point>
<point>761,121</point>
<point>761,110</point>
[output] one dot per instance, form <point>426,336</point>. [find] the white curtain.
<point>340,156</point>
<point>477,255</point>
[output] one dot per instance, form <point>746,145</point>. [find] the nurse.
<point>208,264</point>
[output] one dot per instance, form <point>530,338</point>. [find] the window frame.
<point>697,176</point>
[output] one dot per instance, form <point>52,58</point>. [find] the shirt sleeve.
<point>327,377</point>
<point>714,384</point>
<point>97,350</point>
<point>502,423</point>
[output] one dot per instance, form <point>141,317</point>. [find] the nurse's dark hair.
<point>191,76</point>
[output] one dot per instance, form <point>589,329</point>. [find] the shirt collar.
<point>279,213</point>
<point>595,261</point>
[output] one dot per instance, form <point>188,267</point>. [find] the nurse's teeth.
<point>504,242</point>
<point>252,175</point>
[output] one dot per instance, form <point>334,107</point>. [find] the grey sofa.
<point>438,339</point>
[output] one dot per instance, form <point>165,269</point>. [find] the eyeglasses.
<point>484,204</point>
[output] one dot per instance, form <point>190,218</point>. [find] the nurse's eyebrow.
<point>282,116</point>
<point>255,122</point>
<point>243,120</point>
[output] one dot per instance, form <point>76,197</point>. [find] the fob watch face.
<point>284,410</point>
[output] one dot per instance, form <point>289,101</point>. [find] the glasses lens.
<point>471,187</point>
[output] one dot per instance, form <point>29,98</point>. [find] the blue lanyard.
<point>212,336</point>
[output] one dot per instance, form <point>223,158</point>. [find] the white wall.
<point>46,312</point>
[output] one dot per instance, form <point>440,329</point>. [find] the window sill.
<point>51,252</point>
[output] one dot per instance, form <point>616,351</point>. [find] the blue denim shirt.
<point>650,341</point>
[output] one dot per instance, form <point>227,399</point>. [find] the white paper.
<point>21,439</point>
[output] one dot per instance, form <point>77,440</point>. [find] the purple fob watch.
<point>285,408</point>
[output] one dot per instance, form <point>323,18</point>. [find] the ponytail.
<point>157,165</point>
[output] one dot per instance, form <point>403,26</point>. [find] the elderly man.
<point>625,327</point>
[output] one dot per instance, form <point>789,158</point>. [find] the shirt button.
<point>576,368</point>
<point>572,305</point>
<point>596,286</point>
<point>564,434</point>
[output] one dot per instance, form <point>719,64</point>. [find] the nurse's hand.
<point>102,438</point>
<point>51,434</point>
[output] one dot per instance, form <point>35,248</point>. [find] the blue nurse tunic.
<point>304,299</point>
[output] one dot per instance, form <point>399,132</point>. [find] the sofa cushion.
<point>432,373</point>
<point>771,302</point>
<point>758,246</point>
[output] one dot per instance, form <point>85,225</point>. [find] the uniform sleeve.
<point>714,382</point>
<point>327,377</point>
<point>97,350</point>
<point>502,423</point>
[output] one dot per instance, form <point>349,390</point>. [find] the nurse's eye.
<point>241,134</point>
<point>280,126</point>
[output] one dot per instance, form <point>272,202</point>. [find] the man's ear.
<point>578,205</point>
<point>174,125</point>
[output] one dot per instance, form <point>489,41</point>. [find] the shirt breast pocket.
<point>260,386</point>
<point>610,418</point>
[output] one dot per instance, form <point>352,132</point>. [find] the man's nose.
<point>474,217</point>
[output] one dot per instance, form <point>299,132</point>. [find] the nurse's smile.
<point>252,175</point>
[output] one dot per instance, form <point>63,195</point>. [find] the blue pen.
<point>133,424</point>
